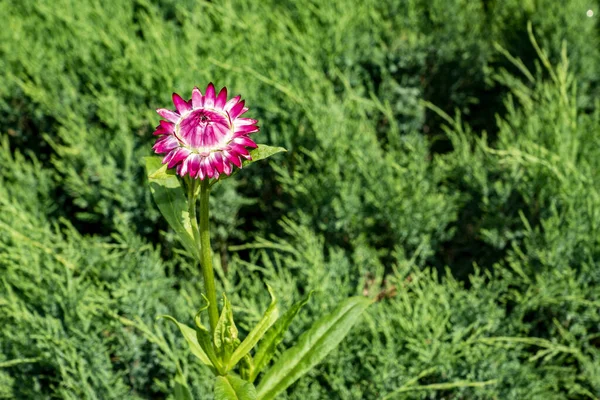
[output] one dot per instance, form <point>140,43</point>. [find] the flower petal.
<point>182,169</point>
<point>165,144</point>
<point>164,128</point>
<point>245,141</point>
<point>209,98</point>
<point>227,166</point>
<point>179,155</point>
<point>166,159</point>
<point>221,99</point>
<point>236,110</point>
<point>201,172</point>
<point>168,114</point>
<point>233,157</point>
<point>197,98</point>
<point>239,149</point>
<point>217,161</point>
<point>245,121</point>
<point>193,165</point>
<point>231,103</point>
<point>245,130</point>
<point>180,104</point>
<point>208,168</point>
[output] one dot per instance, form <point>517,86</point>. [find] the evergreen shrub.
<point>442,157</point>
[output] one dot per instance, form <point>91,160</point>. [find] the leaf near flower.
<point>171,201</point>
<point>261,152</point>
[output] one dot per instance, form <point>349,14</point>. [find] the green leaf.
<point>268,319</point>
<point>312,347</point>
<point>226,333</point>
<point>172,203</point>
<point>273,337</point>
<point>182,391</point>
<point>231,387</point>
<point>246,366</point>
<point>190,337</point>
<point>261,152</point>
<point>205,341</point>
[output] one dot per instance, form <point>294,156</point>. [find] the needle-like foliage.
<point>442,158</point>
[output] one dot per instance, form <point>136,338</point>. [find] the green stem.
<point>202,239</point>
<point>206,257</point>
<point>192,185</point>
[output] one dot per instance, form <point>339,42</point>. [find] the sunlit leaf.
<point>269,317</point>
<point>182,391</point>
<point>261,152</point>
<point>231,387</point>
<point>273,337</point>
<point>171,201</point>
<point>312,347</point>
<point>190,337</point>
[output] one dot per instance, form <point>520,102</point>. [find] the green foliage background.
<point>435,157</point>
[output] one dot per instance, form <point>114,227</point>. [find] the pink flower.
<point>206,135</point>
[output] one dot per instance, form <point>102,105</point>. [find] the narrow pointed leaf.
<point>171,201</point>
<point>225,336</point>
<point>261,152</point>
<point>182,391</point>
<point>233,388</point>
<point>268,319</point>
<point>205,341</point>
<point>245,367</point>
<point>274,336</point>
<point>190,337</point>
<point>311,348</point>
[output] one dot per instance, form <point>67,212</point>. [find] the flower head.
<point>205,137</point>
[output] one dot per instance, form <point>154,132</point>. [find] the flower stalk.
<point>206,256</point>
<point>202,239</point>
